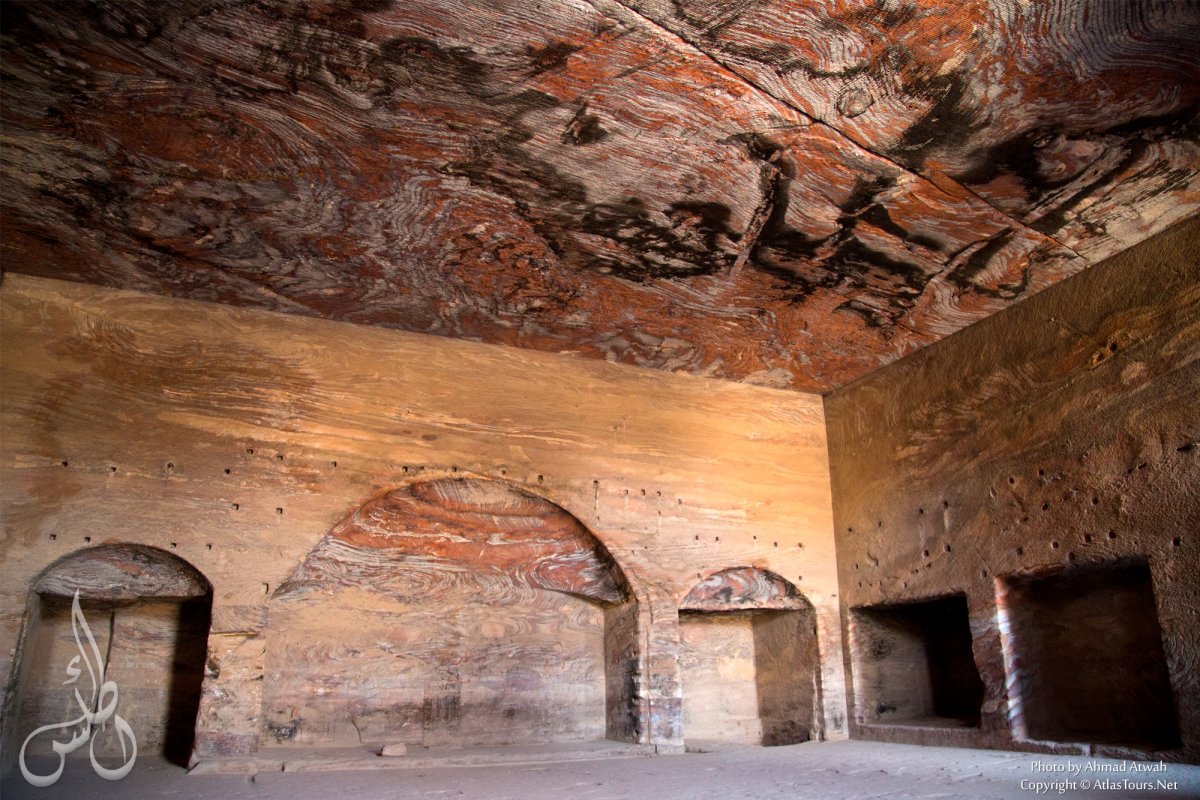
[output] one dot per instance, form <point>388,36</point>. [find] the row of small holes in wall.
<point>88,540</point>
<point>920,512</point>
<point>1020,551</point>
<point>641,492</point>
<point>1187,447</point>
<point>409,469</point>
<point>279,457</point>
<point>1177,541</point>
<point>170,465</point>
<point>799,545</point>
<point>678,501</point>
<point>405,469</point>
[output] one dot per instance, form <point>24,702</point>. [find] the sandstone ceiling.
<point>788,193</point>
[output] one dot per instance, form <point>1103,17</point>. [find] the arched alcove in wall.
<point>452,611</point>
<point>749,661</point>
<point>148,612</point>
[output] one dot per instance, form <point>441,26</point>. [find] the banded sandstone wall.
<point>1018,519</point>
<point>239,439</point>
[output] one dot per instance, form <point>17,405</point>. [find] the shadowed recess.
<point>149,613</point>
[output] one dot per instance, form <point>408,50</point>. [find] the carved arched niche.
<point>148,611</point>
<point>749,661</point>
<point>452,611</point>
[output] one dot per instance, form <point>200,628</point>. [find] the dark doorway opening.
<point>1085,656</point>
<point>913,664</point>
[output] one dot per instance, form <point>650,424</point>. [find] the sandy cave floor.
<point>813,771</point>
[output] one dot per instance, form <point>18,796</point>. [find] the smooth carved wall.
<point>1044,465</point>
<point>239,439</point>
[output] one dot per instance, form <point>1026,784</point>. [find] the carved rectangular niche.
<point>1084,655</point>
<point>913,664</point>
<point>748,677</point>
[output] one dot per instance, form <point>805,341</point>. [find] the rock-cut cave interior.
<point>600,398</point>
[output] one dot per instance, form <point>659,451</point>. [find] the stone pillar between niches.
<point>227,724</point>
<point>662,695</point>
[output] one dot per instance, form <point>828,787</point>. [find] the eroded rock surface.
<point>784,194</point>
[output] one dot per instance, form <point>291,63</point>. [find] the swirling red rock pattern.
<point>741,588</point>
<point>121,574</point>
<point>420,540</point>
<point>781,193</point>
